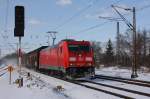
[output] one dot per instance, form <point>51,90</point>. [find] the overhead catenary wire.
<point>93,27</point>
<point>4,35</point>
<point>124,19</point>
<point>6,16</point>
<point>5,39</point>
<point>144,7</point>
<point>101,24</point>
<point>73,16</point>
<point>129,9</point>
<point>79,13</point>
<point>111,18</point>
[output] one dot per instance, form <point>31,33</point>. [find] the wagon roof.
<point>38,49</point>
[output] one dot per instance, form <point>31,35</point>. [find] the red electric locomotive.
<point>69,58</point>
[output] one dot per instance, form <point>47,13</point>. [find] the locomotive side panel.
<point>53,58</point>
<point>63,55</point>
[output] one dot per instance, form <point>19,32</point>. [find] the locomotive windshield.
<point>75,48</point>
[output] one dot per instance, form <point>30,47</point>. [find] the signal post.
<point>19,32</point>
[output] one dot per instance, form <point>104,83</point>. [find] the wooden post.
<point>10,77</point>
<point>10,69</point>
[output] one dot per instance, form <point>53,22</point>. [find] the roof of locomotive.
<point>69,41</point>
<point>73,41</point>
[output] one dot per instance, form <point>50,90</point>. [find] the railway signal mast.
<point>19,32</point>
<point>118,44</point>
<point>0,53</point>
<point>53,35</point>
<point>133,28</point>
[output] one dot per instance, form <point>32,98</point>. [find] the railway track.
<point>125,80</point>
<point>118,88</point>
<point>89,87</point>
<point>80,82</point>
<point>99,89</point>
<point>120,95</point>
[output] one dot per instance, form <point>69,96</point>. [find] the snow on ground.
<point>123,85</point>
<point>42,87</point>
<point>135,96</point>
<point>126,73</point>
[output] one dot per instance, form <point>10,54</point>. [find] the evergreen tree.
<point>109,48</point>
<point>109,54</point>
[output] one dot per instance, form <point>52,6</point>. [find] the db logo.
<point>80,59</point>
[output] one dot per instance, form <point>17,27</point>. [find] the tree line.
<point>120,52</point>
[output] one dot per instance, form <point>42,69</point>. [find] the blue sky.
<point>70,18</point>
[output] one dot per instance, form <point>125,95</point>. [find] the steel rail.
<point>118,88</point>
<point>128,81</point>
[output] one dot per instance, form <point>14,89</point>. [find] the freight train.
<point>69,58</point>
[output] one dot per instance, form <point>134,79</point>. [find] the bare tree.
<point>97,53</point>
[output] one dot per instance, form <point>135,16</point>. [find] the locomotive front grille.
<point>80,71</point>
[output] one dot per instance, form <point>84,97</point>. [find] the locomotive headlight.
<point>72,59</point>
<point>89,64</point>
<point>88,58</point>
<point>71,64</point>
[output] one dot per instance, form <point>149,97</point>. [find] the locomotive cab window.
<point>75,48</point>
<point>85,48</point>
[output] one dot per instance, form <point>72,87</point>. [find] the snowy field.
<point>40,86</point>
<point>143,74</point>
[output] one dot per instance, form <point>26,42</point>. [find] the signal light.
<point>19,21</point>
